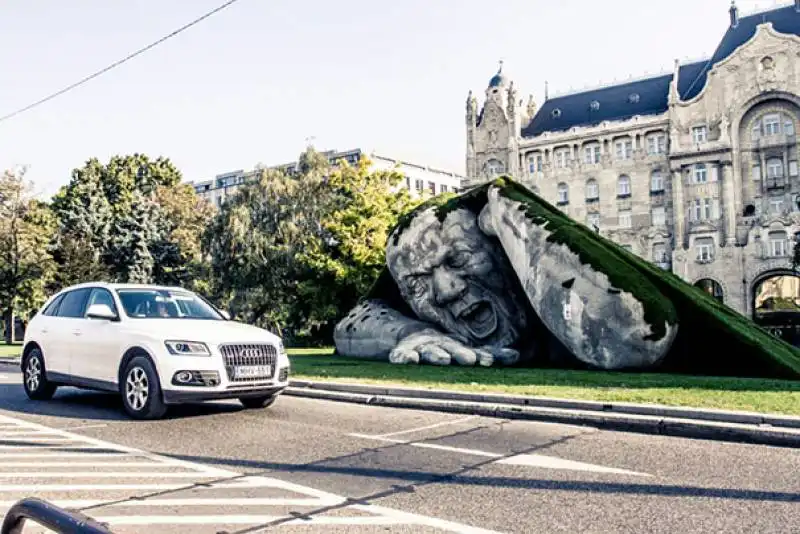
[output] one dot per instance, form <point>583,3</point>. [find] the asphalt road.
<point>315,466</point>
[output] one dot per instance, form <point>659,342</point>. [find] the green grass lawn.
<point>10,350</point>
<point>766,396</point>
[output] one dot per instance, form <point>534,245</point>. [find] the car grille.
<point>237,355</point>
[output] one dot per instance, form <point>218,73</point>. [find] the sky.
<point>258,80</point>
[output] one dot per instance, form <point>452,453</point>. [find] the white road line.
<point>107,474</point>
<point>472,452</point>
<point>8,465</point>
<point>37,439</point>
<point>83,427</point>
<point>197,472</point>
<point>530,460</point>
<point>428,427</point>
<point>214,501</point>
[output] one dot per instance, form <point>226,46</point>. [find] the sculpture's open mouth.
<point>480,319</point>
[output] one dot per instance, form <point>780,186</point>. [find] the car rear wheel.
<point>141,390</point>
<point>34,378</point>
<point>258,402</point>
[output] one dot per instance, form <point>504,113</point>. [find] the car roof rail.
<point>50,516</point>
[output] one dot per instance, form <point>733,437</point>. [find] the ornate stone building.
<point>695,170</point>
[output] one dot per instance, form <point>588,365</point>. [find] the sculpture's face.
<point>453,275</point>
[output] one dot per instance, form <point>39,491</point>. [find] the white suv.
<point>155,346</point>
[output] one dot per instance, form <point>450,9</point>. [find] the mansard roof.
<point>649,96</point>
<point>784,20</point>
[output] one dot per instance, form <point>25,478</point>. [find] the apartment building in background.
<point>419,179</point>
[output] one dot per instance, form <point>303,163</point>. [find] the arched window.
<point>624,186</point>
<point>494,167</point>
<point>563,193</point>
<point>592,189</point>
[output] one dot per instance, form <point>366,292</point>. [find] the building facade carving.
<point>695,170</point>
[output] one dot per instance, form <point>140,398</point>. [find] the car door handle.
<point>44,331</point>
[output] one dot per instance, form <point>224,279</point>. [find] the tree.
<point>26,228</point>
<point>131,220</point>
<point>256,238</point>
<point>366,206</point>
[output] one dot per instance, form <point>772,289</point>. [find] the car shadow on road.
<point>90,405</point>
<point>417,479</point>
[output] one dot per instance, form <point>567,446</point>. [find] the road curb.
<point>9,361</point>
<point>741,427</point>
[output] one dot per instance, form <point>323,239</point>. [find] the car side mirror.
<point>225,315</point>
<point>102,312</point>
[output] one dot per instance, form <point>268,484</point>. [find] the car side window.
<point>73,304</point>
<point>102,296</point>
<point>52,308</point>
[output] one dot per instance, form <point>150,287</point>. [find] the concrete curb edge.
<point>571,412</point>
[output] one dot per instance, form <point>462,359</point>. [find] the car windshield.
<point>165,304</point>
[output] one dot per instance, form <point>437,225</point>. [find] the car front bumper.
<point>182,396</point>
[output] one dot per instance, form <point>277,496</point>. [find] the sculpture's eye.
<point>416,285</point>
<point>458,259</point>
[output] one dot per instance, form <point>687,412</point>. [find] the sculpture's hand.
<point>431,346</point>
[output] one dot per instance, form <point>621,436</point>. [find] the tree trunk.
<point>10,325</point>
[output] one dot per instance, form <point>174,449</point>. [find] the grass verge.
<point>10,351</point>
<point>748,394</point>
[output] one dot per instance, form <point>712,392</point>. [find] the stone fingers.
<point>434,354</point>
<point>404,356</point>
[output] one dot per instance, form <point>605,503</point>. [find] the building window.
<point>702,209</point>
<point>792,168</point>
<point>778,247</point>
<point>562,158</point>
<point>700,173</point>
<point>699,134</point>
<point>420,185</point>
<point>756,131</point>
<point>625,219</point>
<point>657,144</point>
<point>563,193</point>
<point>772,124</point>
<point>657,181</point>
<point>704,247</point>
<point>774,168</point>
<point>788,126</point>
<point>443,188</point>
<point>660,254</point>
<point>776,206</point>
<point>624,148</point>
<point>624,186</point>
<point>493,168</point>
<point>432,187</point>
<point>592,190</point>
<point>408,183</point>
<point>593,221</point>
<point>659,216</point>
<point>535,163</point>
<point>591,154</point>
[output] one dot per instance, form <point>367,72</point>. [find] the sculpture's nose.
<point>447,286</point>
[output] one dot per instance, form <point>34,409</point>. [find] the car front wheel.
<point>258,402</point>
<point>141,390</point>
<point>34,379</point>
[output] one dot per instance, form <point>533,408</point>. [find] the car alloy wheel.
<point>137,389</point>
<point>33,373</point>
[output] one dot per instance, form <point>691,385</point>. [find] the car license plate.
<point>253,371</point>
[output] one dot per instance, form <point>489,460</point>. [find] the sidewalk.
<point>747,427</point>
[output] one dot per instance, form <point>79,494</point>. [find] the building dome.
<point>498,80</point>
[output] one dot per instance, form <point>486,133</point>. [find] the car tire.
<point>34,377</point>
<point>258,402</point>
<point>141,390</point>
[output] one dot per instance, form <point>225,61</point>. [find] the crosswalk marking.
<point>160,492</point>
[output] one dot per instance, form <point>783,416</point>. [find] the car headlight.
<point>187,348</point>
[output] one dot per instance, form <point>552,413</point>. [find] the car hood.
<point>205,331</point>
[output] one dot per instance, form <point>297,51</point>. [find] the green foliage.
<point>130,220</point>
<point>294,253</point>
<point>26,227</point>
